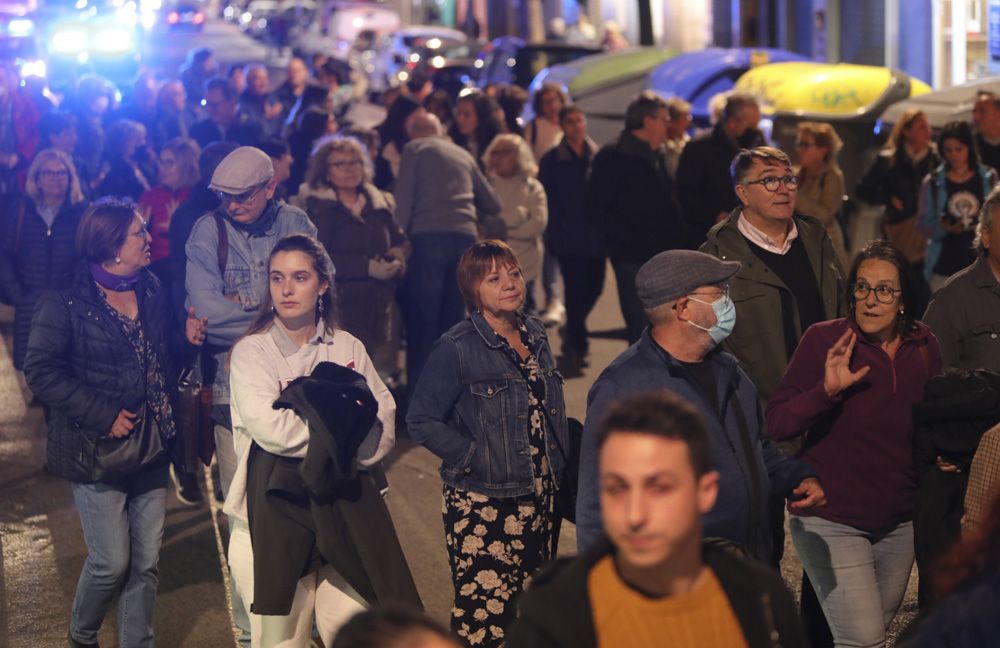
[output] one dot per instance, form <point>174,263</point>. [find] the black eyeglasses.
<point>241,198</point>
<point>883,294</point>
<point>771,183</point>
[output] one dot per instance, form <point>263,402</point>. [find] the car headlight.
<point>69,41</point>
<point>33,69</point>
<point>20,27</point>
<point>113,39</point>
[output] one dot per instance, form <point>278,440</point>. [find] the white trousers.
<point>323,594</point>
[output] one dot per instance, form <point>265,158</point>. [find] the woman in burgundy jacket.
<point>850,388</point>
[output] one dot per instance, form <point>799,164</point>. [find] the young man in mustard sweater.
<point>653,581</point>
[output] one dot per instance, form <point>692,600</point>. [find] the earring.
<point>901,310</point>
<point>319,304</point>
<point>118,260</point>
<point>272,308</point>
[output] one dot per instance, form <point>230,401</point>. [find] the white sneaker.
<point>554,313</point>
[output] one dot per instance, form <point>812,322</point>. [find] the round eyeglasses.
<point>771,183</point>
<point>883,294</point>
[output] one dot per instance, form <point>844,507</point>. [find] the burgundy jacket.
<point>860,442</point>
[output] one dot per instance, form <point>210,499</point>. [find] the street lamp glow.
<point>20,27</point>
<point>69,41</point>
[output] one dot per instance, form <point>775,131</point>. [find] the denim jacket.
<point>245,276</point>
<point>470,408</point>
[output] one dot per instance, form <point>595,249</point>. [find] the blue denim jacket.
<point>470,408</point>
<point>245,276</point>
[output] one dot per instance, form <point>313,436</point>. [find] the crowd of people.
<point>256,242</point>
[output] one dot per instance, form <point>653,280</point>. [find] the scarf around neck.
<point>111,281</point>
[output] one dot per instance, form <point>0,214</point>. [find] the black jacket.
<point>555,612</point>
<point>896,176</point>
<point>631,198</point>
<point>704,184</point>
<point>80,365</point>
<point>563,173</point>
<point>304,513</point>
<point>122,182</point>
<point>35,258</point>
<point>245,131</point>
<point>958,408</point>
<point>199,202</point>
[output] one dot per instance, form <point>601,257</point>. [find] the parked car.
<point>942,106</point>
<point>511,60</point>
<point>182,16</point>
<point>404,50</point>
<point>339,24</point>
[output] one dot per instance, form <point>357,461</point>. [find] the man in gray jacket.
<point>443,201</point>
<point>227,273</point>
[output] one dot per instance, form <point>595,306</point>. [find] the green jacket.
<point>758,340</point>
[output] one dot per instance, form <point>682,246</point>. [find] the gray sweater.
<point>441,189</point>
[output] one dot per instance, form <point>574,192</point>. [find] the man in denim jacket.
<point>686,298</point>
<point>250,222</point>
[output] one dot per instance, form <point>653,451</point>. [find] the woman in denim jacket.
<point>490,403</point>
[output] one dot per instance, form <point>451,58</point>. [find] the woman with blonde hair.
<point>178,173</point>
<point>821,182</point>
<point>356,224</point>
<point>38,249</point>
<point>524,208</point>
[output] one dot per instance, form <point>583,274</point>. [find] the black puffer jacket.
<point>896,176</point>
<point>80,364</point>
<point>35,259</point>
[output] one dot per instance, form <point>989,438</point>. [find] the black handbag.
<point>194,419</point>
<point>117,458</point>
<point>566,495</point>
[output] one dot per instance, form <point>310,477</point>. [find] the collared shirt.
<point>757,236</point>
<point>965,316</point>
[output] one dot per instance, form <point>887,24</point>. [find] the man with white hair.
<point>442,202</point>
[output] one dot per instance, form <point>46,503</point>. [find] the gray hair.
<point>426,125</point>
<point>990,206</point>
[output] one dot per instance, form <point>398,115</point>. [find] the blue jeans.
<point>433,303</point>
<point>859,576</point>
<point>123,528</point>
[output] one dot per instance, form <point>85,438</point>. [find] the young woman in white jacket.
<point>294,332</point>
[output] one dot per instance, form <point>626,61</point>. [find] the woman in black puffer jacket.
<point>37,252</point>
<point>100,359</point>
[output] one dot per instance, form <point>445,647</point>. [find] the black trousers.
<point>583,282</point>
<point>628,298</point>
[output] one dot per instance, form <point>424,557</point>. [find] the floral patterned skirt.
<point>495,546</point>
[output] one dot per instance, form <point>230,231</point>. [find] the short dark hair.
<point>992,96</point>
<point>385,626</point>
<point>223,85</point>
<point>879,250</point>
<point>664,414</point>
<point>274,147</point>
<point>566,111</point>
<point>52,123</point>
<point>961,131</point>
<point>740,167</point>
<point>103,229</point>
<point>737,102</point>
<point>646,104</point>
<point>476,263</point>
<point>211,156</point>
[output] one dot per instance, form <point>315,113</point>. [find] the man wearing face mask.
<point>685,295</point>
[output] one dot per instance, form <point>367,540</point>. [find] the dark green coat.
<point>758,341</point>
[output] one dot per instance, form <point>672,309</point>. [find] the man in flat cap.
<point>685,295</point>
<point>227,260</point>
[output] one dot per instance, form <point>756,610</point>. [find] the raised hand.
<point>838,375</point>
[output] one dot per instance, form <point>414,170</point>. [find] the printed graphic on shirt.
<point>962,209</point>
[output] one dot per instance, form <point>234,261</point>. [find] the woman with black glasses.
<point>850,389</point>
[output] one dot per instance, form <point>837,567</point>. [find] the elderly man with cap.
<point>685,295</point>
<point>227,260</point>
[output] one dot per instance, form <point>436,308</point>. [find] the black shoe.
<point>186,487</point>
<point>217,483</point>
<point>73,643</point>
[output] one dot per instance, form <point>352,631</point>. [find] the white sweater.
<point>525,210</point>
<point>261,366</point>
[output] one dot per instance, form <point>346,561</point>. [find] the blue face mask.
<point>725,318</point>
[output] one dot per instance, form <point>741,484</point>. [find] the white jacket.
<point>524,208</point>
<point>261,366</point>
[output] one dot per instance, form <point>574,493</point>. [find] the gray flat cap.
<point>676,273</point>
<point>243,169</point>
